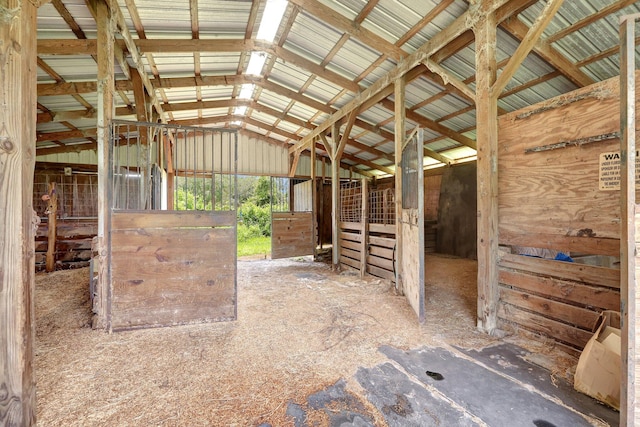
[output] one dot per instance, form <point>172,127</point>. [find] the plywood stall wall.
<point>552,195</point>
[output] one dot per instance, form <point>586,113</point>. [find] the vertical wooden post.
<point>314,195</point>
<point>335,200</point>
<point>487,139</point>
<point>364,231</point>
<point>52,227</point>
<point>628,244</point>
<point>106,83</point>
<point>18,70</point>
<point>400,134</point>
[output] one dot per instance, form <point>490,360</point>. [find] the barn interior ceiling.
<point>287,70</point>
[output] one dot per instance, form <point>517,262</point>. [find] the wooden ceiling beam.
<point>544,49</point>
<point>459,26</point>
<point>531,38</point>
<point>68,134</point>
<point>584,22</point>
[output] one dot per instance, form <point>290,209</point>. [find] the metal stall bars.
<point>172,226</point>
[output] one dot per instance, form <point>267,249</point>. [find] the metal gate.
<point>291,219</point>
<point>411,264</point>
<point>172,226</point>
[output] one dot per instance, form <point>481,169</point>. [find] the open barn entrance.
<point>172,227</point>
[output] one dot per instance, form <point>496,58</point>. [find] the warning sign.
<point>609,177</point>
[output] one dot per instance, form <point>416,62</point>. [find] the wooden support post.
<point>106,83</point>
<point>314,195</point>
<point>18,68</point>
<point>629,275</point>
<point>171,173</point>
<point>364,218</point>
<point>335,204</point>
<point>400,131</point>
<point>52,227</point>
<point>324,171</point>
<point>487,139</point>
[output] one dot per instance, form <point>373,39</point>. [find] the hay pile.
<point>300,328</point>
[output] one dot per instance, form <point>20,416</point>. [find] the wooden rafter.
<point>528,42</point>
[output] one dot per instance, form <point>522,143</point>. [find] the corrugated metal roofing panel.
<point>223,18</point>
<point>303,36</point>
<point>322,90</point>
<point>391,19</point>
<point>378,73</point>
<point>165,16</point>
<point>288,75</point>
<point>302,111</point>
<point>216,92</point>
<point>181,94</point>
<point>73,68</point>
<point>347,8</point>
<point>440,22</point>
<point>175,64</point>
<point>273,100</point>
<point>353,59</point>
<point>60,103</point>
<point>219,64</point>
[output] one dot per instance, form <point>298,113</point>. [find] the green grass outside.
<point>254,246</point>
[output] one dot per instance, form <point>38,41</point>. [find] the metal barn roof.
<point>325,52</point>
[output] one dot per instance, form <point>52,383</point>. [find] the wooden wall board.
<point>596,297</point>
<point>170,276</point>
<point>168,219</point>
<point>291,234</point>
<point>562,332</point>
<point>385,263</point>
<point>576,316</point>
<point>381,272</point>
<point>382,228</point>
<point>412,258</point>
<point>556,192</point>
<point>588,274</point>
<point>514,235</point>
<point>385,242</point>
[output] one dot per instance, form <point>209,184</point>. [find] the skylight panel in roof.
<point>271,19</point>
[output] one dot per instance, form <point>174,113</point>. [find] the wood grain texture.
<point>576,316</point>
<point>567,334</point>
<point>170,219</point>
<point>291,234</point>
<point>587,274</point>
<point>556,192</point>
<point>170,276</point>
<point>595,297</point>
<point>18,68</point>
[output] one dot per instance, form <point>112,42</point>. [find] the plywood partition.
<point>557,163</point>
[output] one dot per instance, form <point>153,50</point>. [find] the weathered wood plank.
<point>563,270</point>
<point>164,276</point>
<point>381,252</point>
<point>291,234</point>
<point>576,316</point>
<point>347,244</point>
<point>350,253</point>
<point>560,331</point>
<point>382,228</point>
<point>385,263</point>
<point>354,237</point>
<point>576,292</point>
<point>17,132</point>
<point>513,235</point>
<point>171,219</point>
<point>350,262</point>
<point>384,242</point>
<point>380,272</point>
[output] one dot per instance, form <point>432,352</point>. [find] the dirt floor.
<point>300,328</point>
